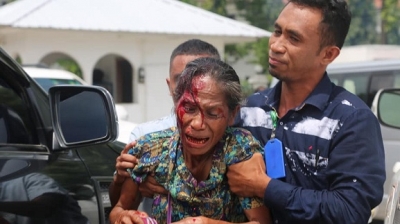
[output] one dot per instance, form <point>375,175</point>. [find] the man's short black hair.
<point>336,18</point>
<point>195,47</point>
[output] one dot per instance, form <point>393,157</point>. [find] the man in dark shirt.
<point>332,168</point>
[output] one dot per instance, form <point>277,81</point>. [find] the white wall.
<point>86,48</point>
<point>150,52</point>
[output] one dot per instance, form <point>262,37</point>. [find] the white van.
<point>386,106</point>
<point>47,78</point>
<point>364,79</point>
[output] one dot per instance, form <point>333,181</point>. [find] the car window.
<point>389,105</point>
<point>15,122</point>
<point>397,79</point>
<point>357,84</point>
<point>335,80</point>
<point>379,80</point>
<point>46,83</point>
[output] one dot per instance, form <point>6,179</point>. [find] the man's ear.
<point>233,115</point>
<point>169,87</point>
<point>329,54</point>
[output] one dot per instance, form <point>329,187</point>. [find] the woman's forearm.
<point>129,194</point>
<point>114,189</point>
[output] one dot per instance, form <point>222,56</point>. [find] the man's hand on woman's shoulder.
<point>248,178</point>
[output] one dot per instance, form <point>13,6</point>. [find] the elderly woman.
<point>190,161</point>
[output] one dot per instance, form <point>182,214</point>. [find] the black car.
<point>57,150</point>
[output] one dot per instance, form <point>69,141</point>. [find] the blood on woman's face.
<point>203,116</point>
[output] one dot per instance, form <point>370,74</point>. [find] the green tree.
<point>216,6</point>
<point>363,27</point>
<point>7,1</point>
<point>262,14</point>
<point>235,51</point>
<point>254,12</point>
<point>390,22</point>
<point>247,89</point>
<point>70,65</point>
<point>259,13</point>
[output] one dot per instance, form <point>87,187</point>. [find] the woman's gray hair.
<point>224,75</point>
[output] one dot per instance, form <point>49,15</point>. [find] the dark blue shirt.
<point>334,156</point>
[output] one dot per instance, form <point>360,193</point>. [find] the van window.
<point>357,84</point>
<point>379,80</point>
<point>46,83</point>
<point>334,80</point>
<point>389,105</point>
<point>396,79</point>
<point>364,79</point>
<point>383,79</point>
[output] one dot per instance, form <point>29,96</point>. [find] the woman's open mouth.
<point>194,140</point>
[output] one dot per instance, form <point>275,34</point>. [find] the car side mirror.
<point>82,115</point>
<point>386,106</point>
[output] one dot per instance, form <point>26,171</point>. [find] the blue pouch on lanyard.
<point>274,161</point>
<point>273,152</point>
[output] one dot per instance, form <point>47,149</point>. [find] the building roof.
<point>132,16</point>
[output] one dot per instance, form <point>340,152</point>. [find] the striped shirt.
<point>334,156</point>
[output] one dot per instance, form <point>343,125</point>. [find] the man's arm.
<point>124,161</point>
<point>147,188</point>
<point>122,165</point>
<point>355,172</point>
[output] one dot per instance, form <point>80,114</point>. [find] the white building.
<point>129,41</point>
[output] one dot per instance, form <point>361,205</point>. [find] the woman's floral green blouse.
<point>161,153</point>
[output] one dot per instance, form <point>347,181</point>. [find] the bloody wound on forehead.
<point>190,97</point>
